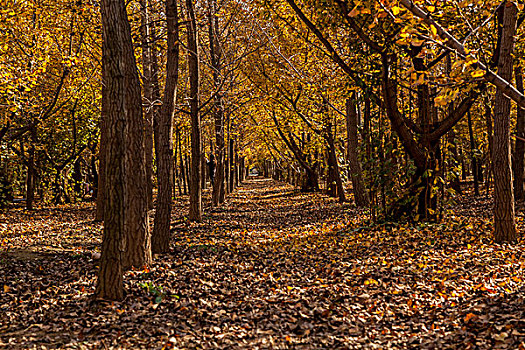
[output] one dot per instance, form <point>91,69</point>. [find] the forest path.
<point>272,268</point>
<point>261,207</point>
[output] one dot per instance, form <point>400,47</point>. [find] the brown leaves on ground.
<point>272,268</point>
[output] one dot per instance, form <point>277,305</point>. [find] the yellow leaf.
<point>440,101</point>
<point>289,288</point>
<point>470,316</point>
<point>431,9</point>
<point>433,29</point>
<point>477,73</point>
<point>6,289</point>
<point>417,42</point>
<point>396,10</point>
<point>354,12</point>
<point>471,60</point>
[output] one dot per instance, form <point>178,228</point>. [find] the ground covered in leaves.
<point>272,268</point>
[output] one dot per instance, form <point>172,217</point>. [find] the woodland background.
<point>407,115</point>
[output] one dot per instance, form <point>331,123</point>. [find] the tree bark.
<point>218,192</point>
<point>196,154</point>
<point>161,229</point>
<point>356,174</point>
<point>137,236</point>
<point>519,148</point>
<point>148,98</point>
<point>110,280</point>
<point>504,219</point>
<point>101,183</point>
<point>473,156</point>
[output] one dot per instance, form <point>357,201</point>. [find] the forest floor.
<point>272,268</point>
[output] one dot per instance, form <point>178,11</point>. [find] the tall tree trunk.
<point>231,164</point>
<point>110,280</point>
<point>161,229</point>
<point>473,156</point>
<point>137,236</point>
<point>182,167</point>
<point>196,154</point>
<point>504,219</point>
<point>30,180</point>
<point>356,174</point>
<point>340,192</point>
<point>148,98</point>
<point>218,192</point>
<point>101,183</point>
<point>519,149</point>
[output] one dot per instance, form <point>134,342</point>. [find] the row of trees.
<point>409,71</point>
<point>398,99</point>
<point>130,141</point>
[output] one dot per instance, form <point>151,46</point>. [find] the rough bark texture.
<point>161,229</point>
<point>136,227</point>
<point>148,98</point>
<point>193,67</point>
<point>218,191</point>
<point>101,183</point>
<point>356,174</point>
<point>519,149</point>
<point>110,281</point>
<point>504,220</point>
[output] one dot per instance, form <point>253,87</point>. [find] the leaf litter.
<point>271,268</point>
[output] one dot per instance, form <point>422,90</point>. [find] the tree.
<point>148,96</point>
<point>193,67</point>
<point>504,220</point>
<point>110,279</point>
<point>518,163</point>
<point>161,229</point>
<point>360,193</point>
<point>218,191</point>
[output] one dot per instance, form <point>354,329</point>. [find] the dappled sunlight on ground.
<point>272,268</point>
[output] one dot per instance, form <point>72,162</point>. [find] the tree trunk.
<point>504,220</point>
<point>340,192</point>
<point>161,228</point>
<point>356,174</point>
<point>137,236</point>
<point>231,165</point>
<point>101,183</point>
<point>193,66</point>
<point>148,98</point>
<point>473,156</point>
<point>519,149</point>
<point>218,192</point>
<point>30,181</point>
<point>110,280</point>
<point>203,170</point>
<point>490,138</point>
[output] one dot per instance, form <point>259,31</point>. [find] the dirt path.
<point>272,268</point>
